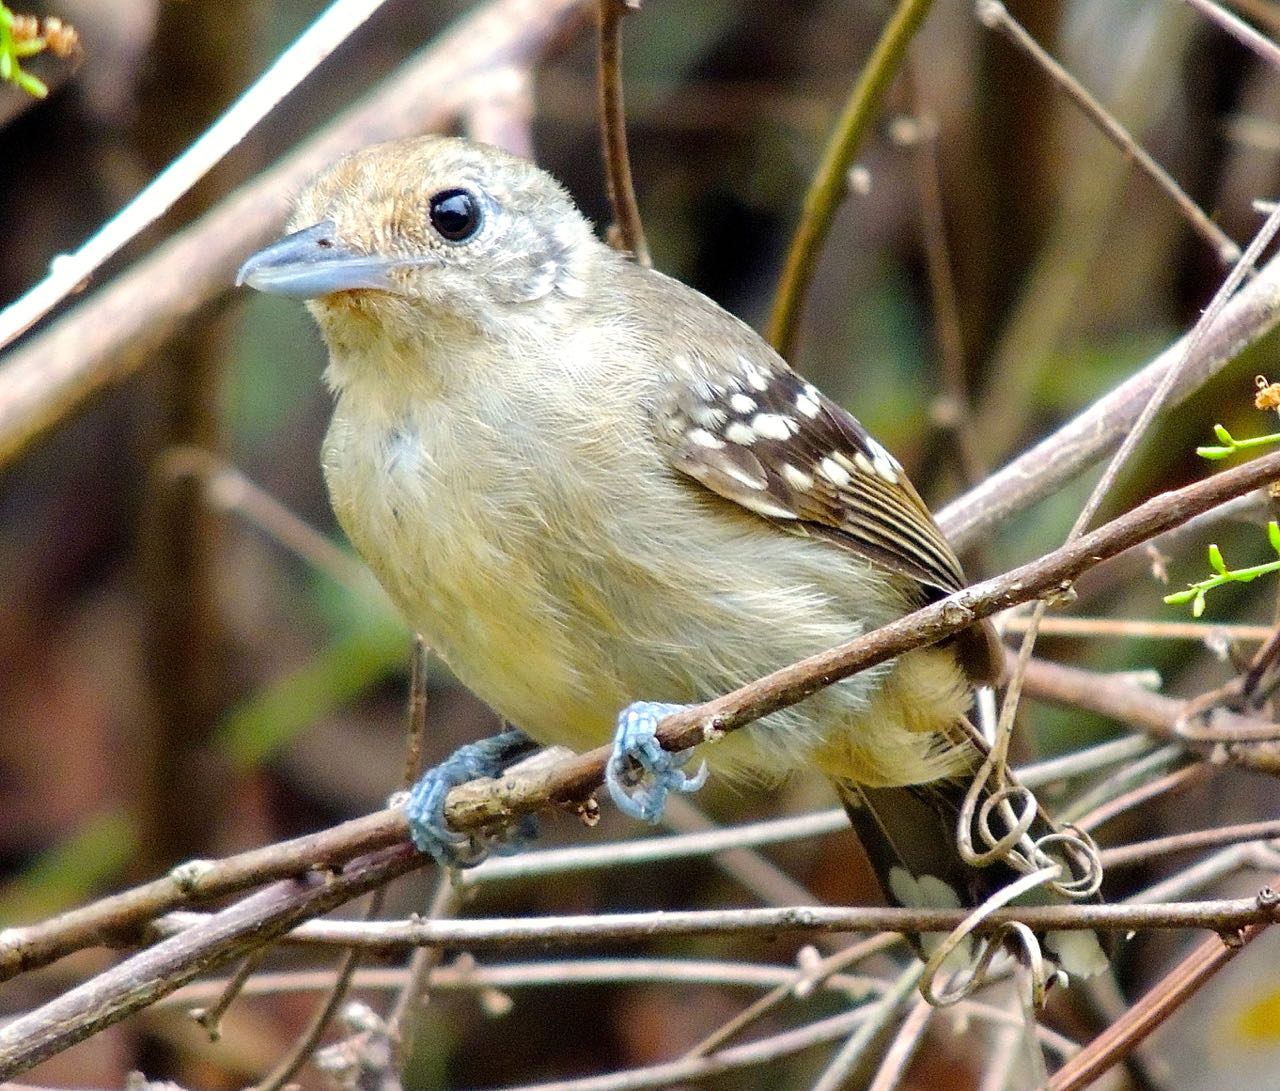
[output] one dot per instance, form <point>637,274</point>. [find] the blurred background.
<point>176,683</point>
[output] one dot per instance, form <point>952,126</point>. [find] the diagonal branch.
<point>485,802</point>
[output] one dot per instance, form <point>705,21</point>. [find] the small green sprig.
<point>23,36</point>
<point>1195,593</point>
<point>13,49</point>
<point>1231,445</point>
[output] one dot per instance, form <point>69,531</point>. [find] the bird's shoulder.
<point>730,414</point>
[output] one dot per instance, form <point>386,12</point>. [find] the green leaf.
<point>1273,535</point>
<point>1216,562</point>
<point>1197,607</point>
<point>30,84</point>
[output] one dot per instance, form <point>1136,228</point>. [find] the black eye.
<point>455,213</point>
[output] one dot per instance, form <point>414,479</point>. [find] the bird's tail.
<point>910,835</point>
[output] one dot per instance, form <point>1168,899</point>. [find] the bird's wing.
<point>753,431</point>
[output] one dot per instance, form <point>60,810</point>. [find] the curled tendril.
<point>951,992</point>
<point>1079,852</point>
<point>1012,808</point>
<point>1017,808</point>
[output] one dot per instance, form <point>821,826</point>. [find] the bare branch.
<point>828,187</point>
<point>996,16</point>
<point>1123,1036</point>
<point>1249,315</point>
<point>1219,915</point>
<point>224,937</point>
<point>613,131</point>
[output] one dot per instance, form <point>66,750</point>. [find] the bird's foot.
<point>424,806</point>
<point>640,773</point>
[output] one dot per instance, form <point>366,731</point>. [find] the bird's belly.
<point>449,564</point>
<point>557,631</point>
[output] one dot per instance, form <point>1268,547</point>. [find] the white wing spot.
<point>709,416</point>
<point>742,403</point>
<point>851,466</point>
<point>797,477</point>
<point>863,463</point>
<point>834,472</point>
<point>807,405</point>
<point>885,468</point>
<point>773,426</point>
<point>764,506</point>
<point>743,477</point>
<point>751,371</point>
<point>703,438</point>
<point>740,434</point>
<point>880,453</point>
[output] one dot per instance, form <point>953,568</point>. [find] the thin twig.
<point>808,978</point>
<point>227,489</point>
<point>465,975</point>
<point>1121,781</point>
<point>309,1040</point>
<point>1241,31</point>
<point>1138,628</point>
<point>210,1018</point>
<point>613,131</point>
<point>401,1024</point>
<point>995,16</point>
<point>1141,851</point>
<point>827,189</point>
<point>477,934</point>
<point>906,1042</point>
<point>851,1054</point>
<point>69,271</point>
<point>1160,1002</point>
<point>1174,781</point>
<point>952,409</point>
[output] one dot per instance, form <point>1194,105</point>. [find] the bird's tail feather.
<point>910,835</point>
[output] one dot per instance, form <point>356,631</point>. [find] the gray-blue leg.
<point>425,804</point>
<point>640,773</point>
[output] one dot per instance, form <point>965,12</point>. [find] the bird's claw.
<point>424,804</point>
<point>641,774</point>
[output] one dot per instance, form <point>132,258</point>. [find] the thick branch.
<point>112,919</point>
<point>224,937</point>
<point>1152,712</point>
<point>485,802</point>
<point>1250,315</point>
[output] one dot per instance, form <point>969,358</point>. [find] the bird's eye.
<point>455,214</point>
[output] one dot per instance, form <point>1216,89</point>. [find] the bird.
<point>600,497</point>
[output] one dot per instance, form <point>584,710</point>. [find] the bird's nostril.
<point>324,243</point>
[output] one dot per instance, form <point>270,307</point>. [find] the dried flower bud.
<point>1268,396</point>
<point>62,38</point>
<point>25,28</point>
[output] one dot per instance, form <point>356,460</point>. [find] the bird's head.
<point>432,238</point>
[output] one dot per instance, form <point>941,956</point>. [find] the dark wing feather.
<point>756,433</point>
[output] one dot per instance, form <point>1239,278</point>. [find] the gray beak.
<point>312,263</point>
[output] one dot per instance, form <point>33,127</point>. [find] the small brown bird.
<point>591,489</point>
